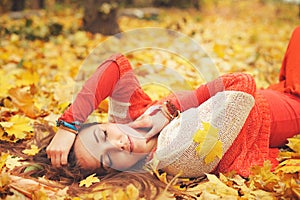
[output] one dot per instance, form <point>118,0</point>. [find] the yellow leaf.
<point>27,78</point>
<point>294,143</point>
<point>89,181</point>
<point>209,144</point>
<point>81,38</point>
<point>219,49</point>
<point>132,192</point>
<point>262,177</point>
<point>261,194</point>
<point>289,166</point>
<point>32,151</point>
<point>4,180</point>
<point>19,126</point>
<point>6,82</point>
<point>12,162</point>
<point>283,155</point>
<point>216,152</point>
<point>119,195</point>
<point>40,195</point>
<point>3,159</point>
<point>295,188</point>
<point>218,187</point>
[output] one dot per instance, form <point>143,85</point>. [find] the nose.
<point>120,143</point>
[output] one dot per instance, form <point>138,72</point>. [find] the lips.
<point>130,144</point>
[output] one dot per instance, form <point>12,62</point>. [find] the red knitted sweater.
<point>251,147</point>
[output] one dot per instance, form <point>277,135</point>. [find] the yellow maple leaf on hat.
<point>209,146</point>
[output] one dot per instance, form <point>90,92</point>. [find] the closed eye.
<point>105,159</point>
<point>105,135</point>
<point>109,161</point>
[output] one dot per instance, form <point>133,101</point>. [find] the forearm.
<point>99,86</point>
<point>229,82</point>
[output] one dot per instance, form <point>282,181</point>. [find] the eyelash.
<point>105,137</point>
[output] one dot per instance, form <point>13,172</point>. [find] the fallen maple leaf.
<point>40,194</point>
<point>22,98</point>
<point>12,162</point>
<point>132,192</point>
<point>32,151</point>
<point>289,166</point>
<point>220,187</point>
<point>295,188</point>
<point>209,144</point>
<point>294,143</point>
<point>27,78</point>
<point>262,177</point>
<point>89,181</point>
<point>5,83</point>
<point>261,194</point>
<point>17,127</point>
<point>3,159</point>
<point>4,184</point>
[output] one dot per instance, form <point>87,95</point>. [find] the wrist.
<point>71,127</point>
<point>169,110</point>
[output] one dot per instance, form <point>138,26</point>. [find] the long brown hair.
<point>71,174</point>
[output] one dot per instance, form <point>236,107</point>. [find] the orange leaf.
<point>23,99</point>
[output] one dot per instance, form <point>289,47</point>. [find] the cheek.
<point>123,161</point>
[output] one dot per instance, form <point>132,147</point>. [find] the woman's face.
<point>111,146</point>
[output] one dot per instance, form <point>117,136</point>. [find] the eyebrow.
<point>110,161</point>
<point>101,163</point>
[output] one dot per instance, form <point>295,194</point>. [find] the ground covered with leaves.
<point>41,59</point>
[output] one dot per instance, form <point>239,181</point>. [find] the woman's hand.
<point>155,122</point>
<point>59,148</point>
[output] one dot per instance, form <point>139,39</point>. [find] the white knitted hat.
<point>176,151</point>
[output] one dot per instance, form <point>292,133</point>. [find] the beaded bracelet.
<point>68,129</point>
<point>170,109</point>
<point>68,126</point>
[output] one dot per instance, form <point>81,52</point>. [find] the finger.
<point>55,159</point>
<point>64,158</point>
<point>140,124</point>
<point>48,152</point>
